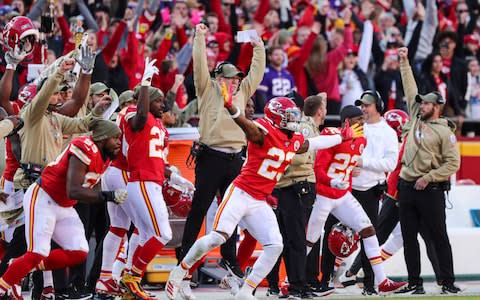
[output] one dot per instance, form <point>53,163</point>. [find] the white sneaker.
<point>186,291</point>
<point>231,282</point>
<point>244,294</point>
<point>174,282</point>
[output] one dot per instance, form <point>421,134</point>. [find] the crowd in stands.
<point>341,47</point>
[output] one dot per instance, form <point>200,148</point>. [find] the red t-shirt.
<point>54,176</point>
<point>120,161</point>
<point>266,164</point>
<point>145,148</point>
<point>336,162</point>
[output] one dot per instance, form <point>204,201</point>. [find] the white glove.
<point>339,184</point>
<point>13,59</point>
<point>182,182</point>
<point>150,70</point>
<point>120,196</point>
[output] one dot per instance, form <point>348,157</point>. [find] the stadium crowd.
<point>65,64</point>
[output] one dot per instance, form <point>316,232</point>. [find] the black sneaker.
<point>273,291</point>
<point>450,289</point>
<point>308,294</point>
<point>325,291</point>
<point>74,294</point>
<point>233,269</point>
<point>369,291</point>
<point>411,288</point>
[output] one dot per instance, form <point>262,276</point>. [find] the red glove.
<point>227,93</point>
<point>351,132</point>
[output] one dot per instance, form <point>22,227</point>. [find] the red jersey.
<point>120,161</point>
<point>266,163</point>
<point>11,163</point>
<point>145,149</point>
<point>54,176</point>
<point>336,162</point>
<point>392,179</point>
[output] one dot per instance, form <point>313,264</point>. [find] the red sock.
<point>145,255</point>
<point>19,268</point>
<point>245,250</point>
<point>196,265</point>
<point>60,258</point>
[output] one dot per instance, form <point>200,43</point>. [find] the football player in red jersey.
<point>272,143</point>
<point>333,172</point>
<point>115,177</point>
<point>48,203</point>
<point>144,137</point>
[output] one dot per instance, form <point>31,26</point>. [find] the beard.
<point>109,154</point>
<point>426,115</point>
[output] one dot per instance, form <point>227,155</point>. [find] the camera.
<point>46,24</point>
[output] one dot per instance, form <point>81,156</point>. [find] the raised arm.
<point>6,84</point>
<point>143,106</point>
<point>200,68</point>
<point>408,80</point>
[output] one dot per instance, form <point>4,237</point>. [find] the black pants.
<point>387,220</point>
<point>294,208</point>
<point>328,259</point>
<point>214,171</point>
<point>425,209</point>
<point>369,200</point>
<point>95,219</point>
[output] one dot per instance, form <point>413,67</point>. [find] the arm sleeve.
<point>427,33</point>
<point>365,51</point>
<point>337,55</point>
<point>451,160</point>
<point>6,126</point>
<point>216,6</point>
<point>201,74</point>
<point>255,75</point>
<point>388,162</point>
<point>410,89</point>
<point>66,34</point>
<point>75,125</point>
<point>323,142</point>
<point>35,110</point>
<point>109,51</point>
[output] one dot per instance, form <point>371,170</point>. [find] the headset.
<point>379,105</point>
<point>219,68</point>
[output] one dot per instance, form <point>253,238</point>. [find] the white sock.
<point>202,246</point>
<point>111,248</point>
<point>264,264</point>
<point>47,279</point>
<point>132,246</point>
<point>393,244</point>
<point>120,261</point>
<point>372,250</point>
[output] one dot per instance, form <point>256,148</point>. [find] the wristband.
<point>11,67</point>
<point>237,114</point>
<point>146,82</point>
<point>87,72</point>
<point>107,196</point>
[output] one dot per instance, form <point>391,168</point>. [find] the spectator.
<point>388,82</point>
<point>473,90</point>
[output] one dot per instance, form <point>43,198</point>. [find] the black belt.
<point>432,185</point>
<point>224,155</point>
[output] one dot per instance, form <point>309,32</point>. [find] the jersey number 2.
<point>343,166</point>
<point>157,139</point>
<point>269,166</point>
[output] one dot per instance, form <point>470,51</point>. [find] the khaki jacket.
<point>216,127</point>
<point>42,135</point>
<point>301,168</point>
<point>431,150</point>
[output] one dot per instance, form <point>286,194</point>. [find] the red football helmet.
<point>396,118</point>
<point>26,94</point>
<point>342,240</point>
<point>177,199</point>
<point>20,35</point>
<point>283,113</point>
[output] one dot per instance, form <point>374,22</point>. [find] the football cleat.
<point>389,286</point>
<point>132,284</point>
<point>108,286</point>
<point>175,281</point>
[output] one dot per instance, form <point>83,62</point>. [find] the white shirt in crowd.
<point>379,157</point>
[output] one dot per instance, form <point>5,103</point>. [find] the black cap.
<point>350,111</point>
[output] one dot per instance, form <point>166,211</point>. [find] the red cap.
<point>470,39</point>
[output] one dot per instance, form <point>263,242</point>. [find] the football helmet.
<point>342,240</point>
<point>283,113</point>
<point>20,35</point>
<point>177,199</point>
<point>26,94</point>
<point>396,118</point>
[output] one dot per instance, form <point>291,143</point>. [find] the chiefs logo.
<point>296,145</point>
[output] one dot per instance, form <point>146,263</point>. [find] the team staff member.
<point>220,159</point>
<point>296,193</point>
<point>430,158</point>
<point>379,157</point>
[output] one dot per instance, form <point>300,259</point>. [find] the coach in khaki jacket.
<point>431,156</point>
<point>42,135</point>
<point>219,158</point>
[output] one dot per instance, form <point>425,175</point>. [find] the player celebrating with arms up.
<point>48,204</point>
<point>272,143</point>
<point>144,137</point>
<point>333,172</point>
